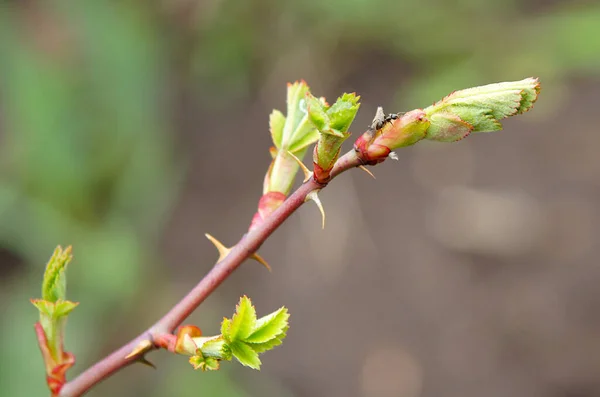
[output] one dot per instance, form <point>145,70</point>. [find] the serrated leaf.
<point>333,127</point>
<point>197,361</point>
<point>447,127</point>
<point>265,346</point>
<point>243,321</point>
<point>226,352</point>
<point>343,112</point>
<point>297,146</point>
<point>296,111</point>
<point>45,308</point>
<point>211,347</point>
<point>54,310</point>
<point>54,284</point>
<point>63,308</point>
<point>204,363</point>
<point>483,107</point>
<point>497,99</point>
<point>269,327</point>
<point>316,112</point>
<point>225,327</point>
<point>245,354</point>
<point>211,364</point>
<point>276,123</point>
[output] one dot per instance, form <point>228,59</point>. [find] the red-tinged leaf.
<point>447,127</point>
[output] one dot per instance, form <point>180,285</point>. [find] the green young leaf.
<point>343,112</point>
<point>304,140</point>
<point>481,107</point>
<point>53,317</point>
<point>270,327</point>
<point>225,328</point>
<point>205,363</point>
<point>447,127</point>
<point>276,123</point>
<point>44,307</point>
<point>245,354</point>
<point>243,336</point>
<point>333,123</point>
<point>213,347</point>
<point>243,321</point>
<point>211,364</point>
<point>63,308</point>
<point>295,137</point>
<point>54,284</point>
<point>271,344</point>
<point>296,112</point>
<point>317,112</point>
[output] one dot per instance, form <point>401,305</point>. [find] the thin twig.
<point>247,245</point>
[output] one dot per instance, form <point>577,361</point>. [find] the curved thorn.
<point>393,156</point>
<point>223,251</point>
<point>315,197</point>
<point>307,173</point>
<point>140,348</point>
<point>365,169</point>
<point>260,260</point>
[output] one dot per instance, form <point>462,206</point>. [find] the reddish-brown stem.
<point>248,244</point>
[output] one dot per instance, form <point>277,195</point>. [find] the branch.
<point>247,246</point>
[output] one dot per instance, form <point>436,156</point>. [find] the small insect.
<point>388,119</point>
<point>380,119</point>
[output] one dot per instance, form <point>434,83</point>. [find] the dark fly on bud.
<point>381,119</point>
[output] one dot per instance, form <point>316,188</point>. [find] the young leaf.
<point>266,346</point>
<point>211,364</point>
<point>54,284</point>
<point>213,347</point>
<point>276,123</point>
<point>295,112</point>
<point>63,308</point>
<point>270,327</point>
<point>295,136</point>
<point>483,107</point>
<point>317,112</point>
<point>243,321</point>
<point>204,363</point>
<point>245,354</point>
<point>304,140</point>
<point>333,123</point>
<point>343,112</point>
<point>447,127</point>
<point>225,328</point>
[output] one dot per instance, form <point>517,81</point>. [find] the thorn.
<point>260,260</point>
<point>315,197</point>
<point>365,169</point>
<point>144,360</point>
<point>378,119</point>
<point>307,173</point>
<point>223,251</point>
<point>140,348</point>
<point>393,156</point>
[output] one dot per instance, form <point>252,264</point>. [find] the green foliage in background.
<point>85,158</point>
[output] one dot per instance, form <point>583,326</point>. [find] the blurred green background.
<point>130,128</point>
